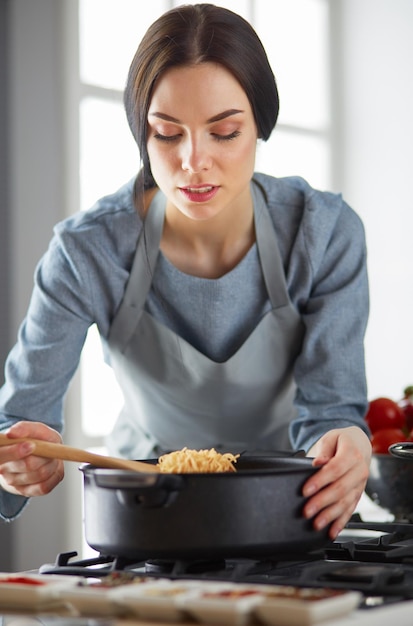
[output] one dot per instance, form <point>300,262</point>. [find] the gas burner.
<point>235,570</point>
<point>161,567</point>
<point>362,573</point>
<point>394,582</point>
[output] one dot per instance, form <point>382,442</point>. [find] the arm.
<point>330,373</point>
<point>38,372</point>
<point>80,281</point>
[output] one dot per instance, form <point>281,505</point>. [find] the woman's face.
<point>202,140</point>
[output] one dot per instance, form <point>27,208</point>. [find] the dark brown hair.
<point>193,34</point>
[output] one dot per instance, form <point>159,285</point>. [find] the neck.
<point>208,248</point>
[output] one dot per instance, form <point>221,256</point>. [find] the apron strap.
<point>147,252</point>
<point>141,275</point>
<point>268,250</point>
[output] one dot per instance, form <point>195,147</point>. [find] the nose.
<point>195,155</point>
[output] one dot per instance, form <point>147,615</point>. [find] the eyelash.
<point>172,138</point>
<point>229,137</point>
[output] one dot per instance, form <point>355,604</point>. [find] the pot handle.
<point>402,450</point>
<point>153,494</point>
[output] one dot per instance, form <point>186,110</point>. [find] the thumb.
<point>324,449</point>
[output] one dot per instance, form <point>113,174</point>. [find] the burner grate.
<point>65,564</point>
<point>394,545</point>
<point>235,570</point>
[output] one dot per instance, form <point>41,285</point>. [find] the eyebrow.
<point>211,120</point>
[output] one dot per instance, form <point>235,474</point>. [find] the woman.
<point>231,305</point>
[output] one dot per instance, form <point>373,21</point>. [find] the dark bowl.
<point>390,485</point>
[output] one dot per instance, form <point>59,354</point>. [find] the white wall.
<point>377,143</point>
<point>37,194</point>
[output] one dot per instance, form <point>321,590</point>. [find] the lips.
<point>199,193</point>
<point>205,189</point>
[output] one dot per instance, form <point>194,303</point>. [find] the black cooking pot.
<point>390,481</point>
<point>254,512</point>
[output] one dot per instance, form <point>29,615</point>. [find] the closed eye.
<point>166,138</point>
<point>216,136</point>
<point>229,137</point>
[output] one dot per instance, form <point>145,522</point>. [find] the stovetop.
<point>373,558</point>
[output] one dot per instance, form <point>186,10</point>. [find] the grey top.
<point>220,314</point>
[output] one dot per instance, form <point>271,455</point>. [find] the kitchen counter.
<point>400,614</point>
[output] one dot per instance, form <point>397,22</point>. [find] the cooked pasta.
<point>187,461</point>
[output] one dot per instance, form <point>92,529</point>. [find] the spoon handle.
<point>68,453</point>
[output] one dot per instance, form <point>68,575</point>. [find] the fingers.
<point>336,488</point>
<point>34,430</point>
<point>335,503</point>
<point>32,476</point>
<point>23,473</point>
<point>343,471</point>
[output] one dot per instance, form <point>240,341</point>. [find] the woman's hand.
<point>343,456</point>
<point>24,474</point>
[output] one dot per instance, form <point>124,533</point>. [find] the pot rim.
<point>282,465</point>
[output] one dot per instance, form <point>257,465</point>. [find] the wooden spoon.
<point>67,453</point>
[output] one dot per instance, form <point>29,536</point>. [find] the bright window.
<point>109,31</point>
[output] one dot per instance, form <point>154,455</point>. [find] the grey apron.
<point>175,396</point>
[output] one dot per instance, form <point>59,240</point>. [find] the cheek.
<point>160,159</point>
<point>245,154</point>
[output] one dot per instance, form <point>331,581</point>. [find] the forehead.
<point>204,88</point>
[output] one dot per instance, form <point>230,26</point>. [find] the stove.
<point>374,558</point>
